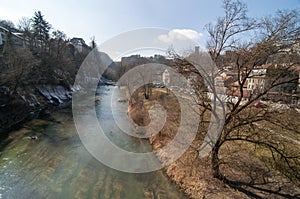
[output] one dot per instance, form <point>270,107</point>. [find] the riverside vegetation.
<point>37,69</point>
<point>250,169</point>
<point>257,154</point>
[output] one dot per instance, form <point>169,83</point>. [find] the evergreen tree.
<point>41,29</point>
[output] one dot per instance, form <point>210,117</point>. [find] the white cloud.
<point>180,35</point>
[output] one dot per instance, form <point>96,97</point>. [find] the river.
<point>57,165</point>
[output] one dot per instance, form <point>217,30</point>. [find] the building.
<point>79,45</point>
<point>262,77</point>
<point>16,38</point>
<point>257,78</point>
<point>132,60</point>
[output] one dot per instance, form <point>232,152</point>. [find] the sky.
<point>106,19</point>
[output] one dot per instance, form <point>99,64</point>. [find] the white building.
<point>257,79</point>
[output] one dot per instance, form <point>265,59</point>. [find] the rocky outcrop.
<point>54,94</point>
<point>29,103</point>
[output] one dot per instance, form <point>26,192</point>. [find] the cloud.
<point>180,35</point>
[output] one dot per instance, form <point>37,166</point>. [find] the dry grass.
<point>244,164</point>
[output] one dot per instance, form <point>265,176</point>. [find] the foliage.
<point>43,58</point>
<point>41,29</point>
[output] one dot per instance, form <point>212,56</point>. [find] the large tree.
<point>25,26</point>
<point>41,29</point>
<point>18,63</point>
<point>275,36</point>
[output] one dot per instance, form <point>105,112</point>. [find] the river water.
<point>57,165</point>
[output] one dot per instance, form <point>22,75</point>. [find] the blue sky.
<point>105,19</point>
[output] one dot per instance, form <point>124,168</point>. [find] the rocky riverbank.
<point>30,103</point>
<point>34,102</point>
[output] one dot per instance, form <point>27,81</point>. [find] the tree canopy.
<point>41,28</point>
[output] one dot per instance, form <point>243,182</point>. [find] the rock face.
<point>29,103</point>
<point>54,94</point>
<point>40,90</point>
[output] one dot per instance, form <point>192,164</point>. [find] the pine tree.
<point>41,29</point>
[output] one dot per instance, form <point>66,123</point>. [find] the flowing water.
<point>56,165</point>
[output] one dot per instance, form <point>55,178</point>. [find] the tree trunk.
<point>215,161</point>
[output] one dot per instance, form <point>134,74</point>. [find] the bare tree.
<point>243,123</point>
<point>19,62</point>
<point>24,24</point>
<point>224,33</point>
<point>58,43</point>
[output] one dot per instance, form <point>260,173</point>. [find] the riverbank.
<point>252,177</point>
<point>189,173</point>
<point>57,165</point>
<point>35,101</point>
<point>31,103</point>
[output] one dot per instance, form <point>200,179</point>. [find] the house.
<point>257,78</point>
<point>132,60</point>
<point>262,77</point>
<point>16,38</point>
<point>79,45</point>
<point>233,90</point>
